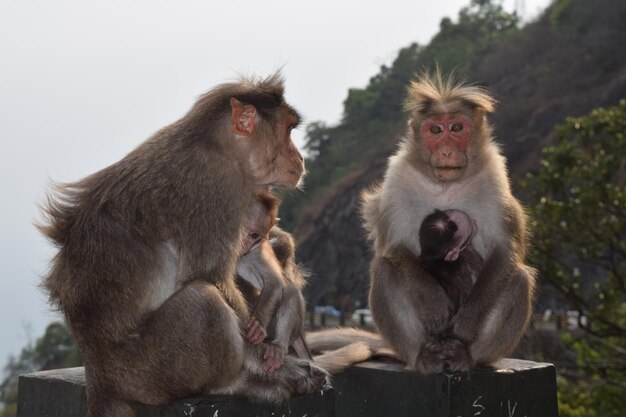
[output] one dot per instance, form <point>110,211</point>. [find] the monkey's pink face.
<point>447,138</point>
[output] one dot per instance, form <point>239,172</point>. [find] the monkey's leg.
<point>288,322</point>
<point>265,309</point>
<point>193,341</point>
<point>507,321</point>
<point>295,376</point>
<point>410,309</point>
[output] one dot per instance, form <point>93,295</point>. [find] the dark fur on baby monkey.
<point>448,256</point>
<point>279,308</point>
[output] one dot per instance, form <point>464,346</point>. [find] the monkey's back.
<point>110,228</point>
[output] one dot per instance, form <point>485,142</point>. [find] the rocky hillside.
<point>566,63</point>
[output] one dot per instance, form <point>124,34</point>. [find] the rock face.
<point>550,71</point>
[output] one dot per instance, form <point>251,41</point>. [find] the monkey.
<point>447,254</point>
<point>280,302</point>
<point>148,249</point>
<point>447,158</point>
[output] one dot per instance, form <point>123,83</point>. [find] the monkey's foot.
<point>430,360</point>
<point>256,332</point>
<point>456,355</point>
<point>274,357</point>
<point>308,377</point>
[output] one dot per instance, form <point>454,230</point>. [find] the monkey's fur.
<point>279,308</point>
<point>147,253</point>
<point>447,160</point>
<point>456,165</point>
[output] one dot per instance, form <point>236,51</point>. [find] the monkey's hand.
<point>431,358</point>
<point>456,356</point>
<point>274,357</point>
<point>256,332</point>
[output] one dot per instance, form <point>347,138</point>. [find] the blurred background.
<point>81,85</point>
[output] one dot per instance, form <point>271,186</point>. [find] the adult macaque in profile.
<point>148,250</point>
<point>279,309</point>
<point>448,160</point>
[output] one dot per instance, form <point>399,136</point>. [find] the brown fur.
<point>279,309</point>
<point>148,249</point>
<point>408,305</point>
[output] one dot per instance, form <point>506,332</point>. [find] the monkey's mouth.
<point>448,172</point>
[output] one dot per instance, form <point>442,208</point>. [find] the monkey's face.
<point>446,138</point>
<point>278,161</point>
<point>274,159</point>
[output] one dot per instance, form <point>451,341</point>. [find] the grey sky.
<point>82,83</point>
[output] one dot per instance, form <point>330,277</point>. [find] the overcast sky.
<point>82,83</point>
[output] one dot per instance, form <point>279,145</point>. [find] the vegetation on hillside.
<point>55,349</point>
<point>579,222</point>
<point>373,117</point>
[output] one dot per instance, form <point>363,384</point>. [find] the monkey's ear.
<point>452,255</point>
<point>243,117</point>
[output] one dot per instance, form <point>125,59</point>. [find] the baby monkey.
<point>279,310</point>
<point>448,256</point>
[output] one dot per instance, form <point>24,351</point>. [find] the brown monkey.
<point>280,306</point>
<point>447,255</point>
<point>148,249</point>
<point>448,159</point>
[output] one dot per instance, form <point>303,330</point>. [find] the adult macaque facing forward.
<point>148,247</point>
<point>448,160</point>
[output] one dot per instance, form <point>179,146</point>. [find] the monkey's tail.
<point>336,361</point>
<point>332,339</point>
<point>341,347</point>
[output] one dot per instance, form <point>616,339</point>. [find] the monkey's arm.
<point>288,326</point>
<point>260,266</point>
<point>283,245</point>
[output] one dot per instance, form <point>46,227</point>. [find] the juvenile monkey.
<point>279,309</point>
<point>148,249</point>
<point>448,159</point>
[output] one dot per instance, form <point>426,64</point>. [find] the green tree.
<point>55,349</point>
<point>579,221</point>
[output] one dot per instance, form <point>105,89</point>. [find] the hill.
<point>566,63</point>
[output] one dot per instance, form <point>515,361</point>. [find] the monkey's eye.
<point>457,127</point>
<point>435,129</point>
<point>254,235</point>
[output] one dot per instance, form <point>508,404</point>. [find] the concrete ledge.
<point>514,388</point>
<point>61,393</point>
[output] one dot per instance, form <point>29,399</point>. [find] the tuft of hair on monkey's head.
<point>266,94</point>
<point>434,94</point>
<point>436,235</point>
